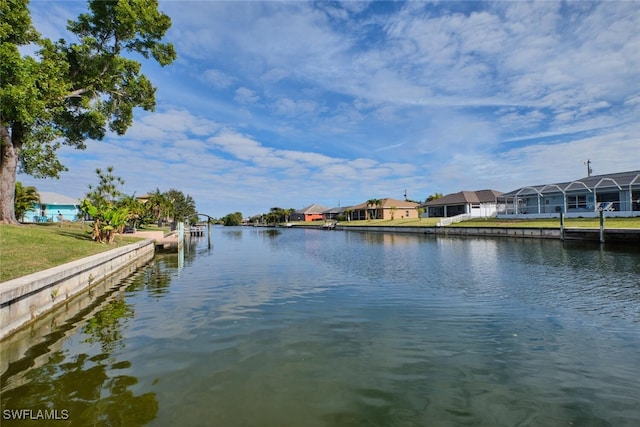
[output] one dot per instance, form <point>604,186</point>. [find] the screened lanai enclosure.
<point>618,194</point>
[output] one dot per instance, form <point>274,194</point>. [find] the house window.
<point>578,201</point>
<point>437,211</point>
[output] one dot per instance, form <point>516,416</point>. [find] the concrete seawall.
<point>27,298</point>
<point>610,235</point>
<point>57,323</point>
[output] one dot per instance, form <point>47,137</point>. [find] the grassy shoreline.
<point>31,248</point>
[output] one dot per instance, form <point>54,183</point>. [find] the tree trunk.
<point>8,169</point>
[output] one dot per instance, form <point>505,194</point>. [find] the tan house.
<point>387,209</point>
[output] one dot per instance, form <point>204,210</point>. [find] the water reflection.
<point>105,327</point>
<point>272,232</point>
<point>316,328</point>
<point>90,389</point>
<point>233,232</point>
<point>87,378</point>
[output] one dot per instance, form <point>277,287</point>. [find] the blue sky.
<point>292,103</point>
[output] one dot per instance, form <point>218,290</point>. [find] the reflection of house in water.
<point>617,193</point>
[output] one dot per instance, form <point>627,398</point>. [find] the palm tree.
<point>370,202</point>
<point>434,196</point>
<point>135,208</point>
<point>276,215</point>
<point>25,197</point>
<point>393,211</point>
<point>287,213</point>
<point>159,205</point>
<point>375,203</point>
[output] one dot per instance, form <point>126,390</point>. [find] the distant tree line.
<point>277,215</point>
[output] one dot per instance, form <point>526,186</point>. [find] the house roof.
<point>387,203</point>
<point>51,198</point>
<point>610,181</point>
<point>336,210</point>
<point>312,209</point>
<point>462,197</point>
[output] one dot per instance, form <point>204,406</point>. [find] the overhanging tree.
<point>70,92</point>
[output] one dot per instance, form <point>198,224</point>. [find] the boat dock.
<point>197,230</point>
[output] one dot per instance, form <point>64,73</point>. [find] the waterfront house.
<point>50,206</point>
<point>616,193</point>
<point>475,204</point>
<point>387,209</point>
<point>334,213</point>
<point>313,212</point>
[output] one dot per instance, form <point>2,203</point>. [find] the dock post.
<point>180,234</point>
<point>561,225</point>
<point>601,226</point>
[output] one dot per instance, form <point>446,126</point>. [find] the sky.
<point>286,104</point>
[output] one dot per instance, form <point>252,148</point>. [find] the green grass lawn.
<point>30,248</point>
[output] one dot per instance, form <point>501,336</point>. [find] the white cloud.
<point>218,79</point>
<point>246,96</point>
<point>291,103</point>
<point>289,107</point>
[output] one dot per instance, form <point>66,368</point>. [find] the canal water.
<point>291,327</point>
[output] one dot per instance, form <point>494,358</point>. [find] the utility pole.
<point>405,194</point>
<point>588,165</point>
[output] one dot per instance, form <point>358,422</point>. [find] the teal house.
<point>51,206</point>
